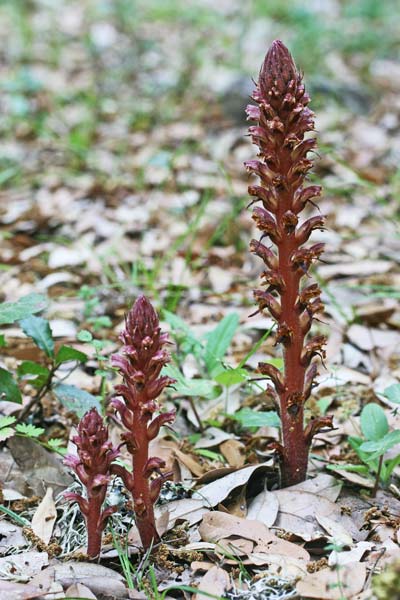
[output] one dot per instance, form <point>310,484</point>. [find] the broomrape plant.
<point>282,121</point>
<point>140,362</point>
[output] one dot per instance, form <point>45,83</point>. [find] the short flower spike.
<point>92,466</point>
<point>140,362</point>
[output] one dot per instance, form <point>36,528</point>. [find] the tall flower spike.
<point>92,466</point>
<point>283,120</point>
<point>140,363</point>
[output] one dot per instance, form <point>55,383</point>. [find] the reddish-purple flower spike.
<point>140,362</point>
<point>282,121</point>
<point>92,466</point>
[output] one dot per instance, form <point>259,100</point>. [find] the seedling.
<point>41,374</point>
<point>372,447</point>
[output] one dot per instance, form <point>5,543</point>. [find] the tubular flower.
<point>92,466</point>
<point>140,362</point>
<point>282,121</point>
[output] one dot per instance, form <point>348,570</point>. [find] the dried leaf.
<point>323,585</point>
<point>233,451</point>
<point>78,590</point>
<point>336,530</point>
<point>216,491</point>
<point>190,463</point>
<point>215,581</point>
<point>44,519</point>
<point>264,508</point>
<point>217,525</point>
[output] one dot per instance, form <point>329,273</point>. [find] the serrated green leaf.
<point>57,445</point>
<point>84,336</point>
<point>191,387</point>
<point>5,421</point>
<point>9,390</point>
<point>218,341</point>
<point>29,430</point>
<point>6,433</point>
<point>374,424</point>
<point>76,400</point>
<point>28,305</point>
<point>55,442</point>
<point>379,447</point>
<point>252,418</point>
<point>40,331</point>
<point>67,353</point>
<point>232,377</point>
<point>392,393</point>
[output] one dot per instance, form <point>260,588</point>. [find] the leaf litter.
<point>148,207</point>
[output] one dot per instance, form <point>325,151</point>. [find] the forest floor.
<point>121,173</point>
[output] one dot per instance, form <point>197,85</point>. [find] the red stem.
<point>94,532</point>
<point>295,447</point>
<point>143,505</point>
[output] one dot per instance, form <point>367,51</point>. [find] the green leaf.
<point>39,330</point>
<point>353,468</point>
<point>209,454</point>
<point>377,448</point>
<point>29,430</point>
<point>218,341</point>
<point>39,372</point>
<point>5,421</point>
<point>251,418</point>
<point>76,400</point>
<point>3,342</point>
<point>392,393</point>
<point>191,387</point>
<point>178,326</point>
<point>8,388</point>
<point>374,424</point>
<point>30,367</point>
<point>84,336</point>
<point>6,433</point>
<point>28,305</point>
<point>100,322</point>
<point>57,445</point>
<point>232,377</point>
<point>55,442</point>
<point>66,353</point>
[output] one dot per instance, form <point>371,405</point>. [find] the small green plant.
<point>377,440</point>
<point>9,428</point>
<point>209,351</point>
<point>91,300</point>
<point>52,366</point>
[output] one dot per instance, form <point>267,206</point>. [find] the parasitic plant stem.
<point>140,362</point>
<point>282,121</point>
<point>92,466</point>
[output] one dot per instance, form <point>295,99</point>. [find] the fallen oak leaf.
<point>214,583</point>
<point>217,526</point>
<point>324,585</point>
<point>264,508</point>
<point>44,519</point>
